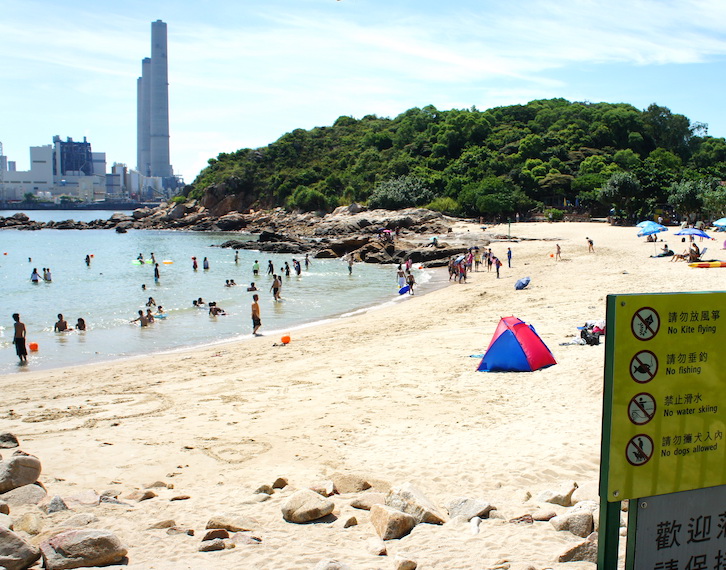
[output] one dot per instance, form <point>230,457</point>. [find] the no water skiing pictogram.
<point>641,408</point>
<point>645,323</point>
<point>639,450</point>
<point>643,366</point>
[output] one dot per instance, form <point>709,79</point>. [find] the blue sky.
<point>243,73</point>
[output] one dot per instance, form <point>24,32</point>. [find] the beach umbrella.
<point>521,283</point>
<point>692,232</point>
<point>720,223</point>
<point>649,228</point>
<point>644,222</point>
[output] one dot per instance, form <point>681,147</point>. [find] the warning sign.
<point>644,366</point>
<point>641,409</point>
<point>645,323</point>
<point>668,437</point>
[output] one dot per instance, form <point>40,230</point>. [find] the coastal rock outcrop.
<point>82,548</point>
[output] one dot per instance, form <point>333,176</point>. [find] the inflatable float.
<point>708,264</point>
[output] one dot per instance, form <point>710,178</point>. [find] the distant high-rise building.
<point>152,106</point>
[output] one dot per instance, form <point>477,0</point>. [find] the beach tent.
<point>515,347</point>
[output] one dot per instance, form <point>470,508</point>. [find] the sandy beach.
<point>391,395</point>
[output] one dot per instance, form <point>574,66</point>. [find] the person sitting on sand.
<point>694,254</point>
<point>61,325</point>
<point>665,252</point>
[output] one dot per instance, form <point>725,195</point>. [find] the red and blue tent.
<point>516,347</point>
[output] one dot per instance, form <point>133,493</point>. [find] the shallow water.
<point>108,293</point>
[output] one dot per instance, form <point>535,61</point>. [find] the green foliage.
<point>445,205</point>
<point>178,199</point>
<point>30,197</point>
<point>554,214</point>
<point>547,151</point>
<point>401,192</point>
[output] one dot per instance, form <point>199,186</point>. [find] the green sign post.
<point>663,404</point>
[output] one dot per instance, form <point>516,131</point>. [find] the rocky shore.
<point>370,236</point>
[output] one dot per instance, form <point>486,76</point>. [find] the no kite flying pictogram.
<point>639,450</point>
<point>645,323</point>
<point>641,408</point>
<point>643,366</point>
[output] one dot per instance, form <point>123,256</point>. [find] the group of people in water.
<point>36,277</point>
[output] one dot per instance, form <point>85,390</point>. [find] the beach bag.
<point>590,338</point>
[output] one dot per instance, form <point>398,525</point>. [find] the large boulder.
<point>578,523</point>
<point>232,222</point>
<point>469,508</point>
<point>16,553</point>
<point>231,523</point>
<point>409,499</point>
<point>25,495</point>
<point>306,505</point>
<point>82,548</point>
<point>17,471</point>
<point>391,523</point>
<point>8,441</point>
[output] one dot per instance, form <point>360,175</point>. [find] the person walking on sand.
<point>256,322</point>
<point>590,246</point>
<point>497,265</point>
<point>19,338</point>
<point>509,257</point>
<point>558,252</point>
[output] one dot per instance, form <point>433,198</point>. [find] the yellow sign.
<point>668,367</point>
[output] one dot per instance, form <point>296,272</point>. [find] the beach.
<point>392,395</point>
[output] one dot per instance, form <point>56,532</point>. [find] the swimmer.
<point>151,302</point>
<point>232,283</point>
<point>149,316</point>
<point>214,310</point>
<point>61,325</point>
<point>252,287</point>
<point>81,324</point>
<point>35,276</point>
<point>142,320</point>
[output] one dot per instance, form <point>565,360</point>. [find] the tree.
<point>30,197</point>
<point>622,191</point>
<point>401,192</point>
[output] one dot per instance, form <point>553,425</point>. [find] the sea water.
<point>110,291</point>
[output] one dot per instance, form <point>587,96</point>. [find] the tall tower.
<point>152,105</point>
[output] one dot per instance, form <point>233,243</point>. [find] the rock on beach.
<point>306,505</point>
<point>82,548</point>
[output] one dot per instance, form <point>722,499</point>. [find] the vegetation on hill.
<point>546,154</point>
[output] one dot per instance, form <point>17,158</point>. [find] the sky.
<point>243,73</point>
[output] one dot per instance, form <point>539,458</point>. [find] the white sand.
<point>391,394</point>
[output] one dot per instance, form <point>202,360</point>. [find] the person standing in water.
<point>256,322</point>
<point>256,268</point>
<point>88,260</point>
<point>236,257</point>
<point>19,338</point>
<point>205,264</point>
<point>195,266</point>
<point>35,276</point>
<point>276,284</point>
<point>156,272</point>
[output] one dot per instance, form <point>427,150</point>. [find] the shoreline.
<point>390,394</point>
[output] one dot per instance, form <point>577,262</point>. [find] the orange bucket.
<point>285,339</point>
<point>33,346</point>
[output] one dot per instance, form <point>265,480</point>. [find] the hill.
<point>545,154</point>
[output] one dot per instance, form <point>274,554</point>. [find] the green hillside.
<point>546,154</point>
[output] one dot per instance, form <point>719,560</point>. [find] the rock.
<point>366,500</point>
<point>323,488</point>
<point>391,523</point>
<point>411,500</point>
<point>403,563</point>
<point>212,545</point>
<point>25,495</point>
<point>139,495</point>
<point>245,538</point>
<point>4,508</point>
<point>562,498</point>
<point>331,565</point>
<point>255,498</point>
<point>8,441</point>
<point>158,485</point>
<point>215,533</point>
<point>588,491</point>
<point>168,523</point>
<point>180,530</point>
<point>469,508</point>
<point>580,523</point>
<point>16,553</point>
<point>346,521</point>
<point>585,551</point>
<point>111,500</point>
<point>280,483</point>
<point>180,498</point>
<point>347,483</point>
<point>56,505</point>
<point>542,515</point>
<point>32,523</point>
<point>6,522</point>
<point>86,498</point>
<point>474,523</point>
<point>81,519</point>
<point>306,505</point>
<point>231,523</point>
<point>18,471</point>
<point>376,547</point>
<point>264,490</point>
<point>81,548</point>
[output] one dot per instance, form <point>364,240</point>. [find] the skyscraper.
<point>152,107</point>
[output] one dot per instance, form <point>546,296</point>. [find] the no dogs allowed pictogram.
<point>641,408</point>
<point>645,323</point>
<point>639,450</point>
<point>643,366</point>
